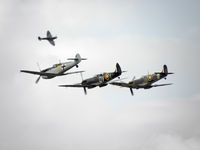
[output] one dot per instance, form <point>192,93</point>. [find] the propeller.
<point>131,91</point>
<point>38,79</point>
<point>85,91</point>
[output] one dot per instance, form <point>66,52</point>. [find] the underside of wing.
<point>74,85</point>
<point>122,84</point>
<point>49,34</point>
<point>73,72</point>
<point>39,73</point>
<point>156,85</point>
<point>52,42</point>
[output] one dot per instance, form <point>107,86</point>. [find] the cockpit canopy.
<point>56,65</point>
<point>99,75</point>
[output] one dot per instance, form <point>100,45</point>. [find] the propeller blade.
<point>38,66</point>
<point>38,79</point>
<point>85,91</point>
<point>131,91</point>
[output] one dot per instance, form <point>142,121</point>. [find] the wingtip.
<point>61,85</point>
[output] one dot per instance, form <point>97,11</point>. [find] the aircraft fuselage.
<point>59,68</point>
<point>146,81</point>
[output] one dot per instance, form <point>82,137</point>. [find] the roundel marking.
<point>149,77</point>
<point>107,76</point>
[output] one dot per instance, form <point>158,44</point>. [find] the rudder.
<point>118,69</point>
<point>165,69</point>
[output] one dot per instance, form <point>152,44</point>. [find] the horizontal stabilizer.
<point>77,59</point>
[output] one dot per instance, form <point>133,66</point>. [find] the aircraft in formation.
<point>49,38</point>
<point>100,80</point>
<point>145,82</point>
<point>57,69</point>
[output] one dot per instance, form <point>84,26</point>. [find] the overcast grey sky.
<point>140,35</point>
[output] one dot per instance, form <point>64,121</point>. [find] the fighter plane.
<point>145,82</point>
<point>57,69</point>
<point>49,38</point>
<point>100,80</point>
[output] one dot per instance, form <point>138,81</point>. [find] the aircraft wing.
<point>72,72</point>
<point>156,85</point>
<point>39,73</point>
<point>73,85</point>
<point>52,42</point>
<point>49,34</point>
<point>122,84</point>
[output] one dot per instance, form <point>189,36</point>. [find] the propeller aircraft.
<point>145,82</point>
<point>57,69</point>
<point>100,80</point>
<point>49,38</point>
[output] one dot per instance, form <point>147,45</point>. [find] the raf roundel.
<point>107,76</point>
<point>149,77</point>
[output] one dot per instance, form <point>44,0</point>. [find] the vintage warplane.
<point>57,69</point>
<point>145,81</point>
<point>100,80</point>
<point>49,38</point>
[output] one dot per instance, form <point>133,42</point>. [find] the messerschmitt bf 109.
<point>145,82</point>
<point>49,38</point>
<point>57,69</point>
<point>100,80</point>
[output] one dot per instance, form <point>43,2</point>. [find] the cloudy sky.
<point>141,35</point>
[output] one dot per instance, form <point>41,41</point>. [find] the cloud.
<point>170,141</point>
<point>44,116</point>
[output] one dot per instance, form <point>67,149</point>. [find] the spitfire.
<point>100,80</point>
<point>57,69</point>
<point>49,38</point>
<point>145,82</point>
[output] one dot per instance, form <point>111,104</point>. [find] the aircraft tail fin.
<point>77,58</point>
<point>165,70</point>
<point>118,69</point>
